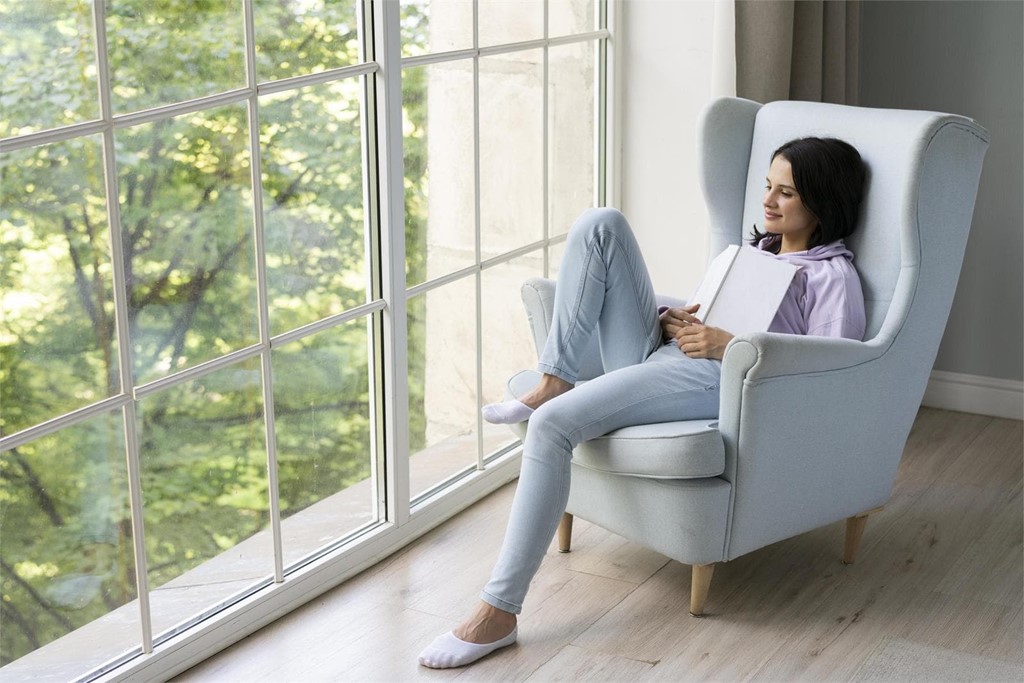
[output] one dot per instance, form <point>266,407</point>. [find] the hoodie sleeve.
<point>835,301</point>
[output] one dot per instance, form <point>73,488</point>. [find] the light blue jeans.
<point>603,288</point>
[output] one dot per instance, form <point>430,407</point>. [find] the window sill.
<point>245,572</point>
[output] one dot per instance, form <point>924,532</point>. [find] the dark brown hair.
<point>829,177</point>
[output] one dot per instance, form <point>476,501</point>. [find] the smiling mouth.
<point>771,216</point>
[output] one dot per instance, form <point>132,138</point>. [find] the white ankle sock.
<point>507,413</point>
<point>447,651</point>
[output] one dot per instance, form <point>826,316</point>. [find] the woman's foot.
<point>506,413</point>
<point>487,630</point>
<point>520,410</point>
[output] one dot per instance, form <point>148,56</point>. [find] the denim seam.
<point>580,290</point>
<point>652,340</point>
<point>514,608</point>
<point>557,371</point>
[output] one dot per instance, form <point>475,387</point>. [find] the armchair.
<point>810,430</point>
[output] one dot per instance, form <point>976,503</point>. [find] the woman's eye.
<point>786,194</point>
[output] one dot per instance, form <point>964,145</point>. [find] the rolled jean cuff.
<point>500,604</point>
<point>557,372</point>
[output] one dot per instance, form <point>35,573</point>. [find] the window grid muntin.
<point>262,302</point>
<point>600,34</point>
<point>109,123</point>
<point>239,355</point>
<point>130,393</point>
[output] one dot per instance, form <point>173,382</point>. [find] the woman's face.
<point>784,211</point>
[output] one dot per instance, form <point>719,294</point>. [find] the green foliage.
<point>164,51</point>
<point>186,207</point>
<point>55,91</point>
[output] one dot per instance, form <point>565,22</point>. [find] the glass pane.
<point>49,73</point>
<point>324,449</point>
<point>296,37</point>
<point>437,102</point>
<point>510,21</point>
<point>442,383</point>
<point>511,151</point>
<point>570,133</point>
<point>313,202</point>
<point>508,345</point>
<point>57,348</point>
<point>173,50</point>
<point>204,491</point>
<point>436,26</point>
<point>571,16</point>
<point>67,549</point>
<point>186,211</point>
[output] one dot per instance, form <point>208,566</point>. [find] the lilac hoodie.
<point>825,297</point>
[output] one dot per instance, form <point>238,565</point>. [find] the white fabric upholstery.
<point>811,429</point>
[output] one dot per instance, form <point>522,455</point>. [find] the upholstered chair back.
<point>923,174</point>
<point>901,211</point>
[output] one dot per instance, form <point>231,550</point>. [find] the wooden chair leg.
<point>854,532</point>
<point>565,533</point>
<point>700,584</point>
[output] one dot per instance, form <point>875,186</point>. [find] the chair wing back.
<point>923,172</point>
<point>853,421</point>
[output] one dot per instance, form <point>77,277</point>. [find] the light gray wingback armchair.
<point>810,429</point>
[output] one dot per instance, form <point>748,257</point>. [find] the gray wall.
<point>966,58</point>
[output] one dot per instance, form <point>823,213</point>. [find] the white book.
<point>742,290</point>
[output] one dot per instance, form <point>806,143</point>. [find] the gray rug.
<point>902,660</point>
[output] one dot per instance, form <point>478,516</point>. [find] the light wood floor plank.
<point>551,623</point>
<point>576,664</point>
<point>941,565</point>
<point>598,552</point>
<point>648,623</point>
<point>990,567</point>
<point>936,439</point>
<point>993,459</point>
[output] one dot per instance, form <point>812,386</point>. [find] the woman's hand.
<point>693,337</point>
<point>703,341</point>
<point>675,319</point>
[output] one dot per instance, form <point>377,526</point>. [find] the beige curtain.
<point>797,50</point>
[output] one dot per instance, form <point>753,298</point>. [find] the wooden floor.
<point>941,570</point>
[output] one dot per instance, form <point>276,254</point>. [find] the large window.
<point>260,268</point>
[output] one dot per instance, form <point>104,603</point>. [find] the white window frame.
<point>400,520</point>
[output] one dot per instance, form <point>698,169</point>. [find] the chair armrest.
<point>765,355</point>
<point>754,359</point>
<point>802,420</point>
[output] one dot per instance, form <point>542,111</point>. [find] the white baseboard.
<point>975,394</point>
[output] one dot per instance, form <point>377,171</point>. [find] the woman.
<point>658,367</point>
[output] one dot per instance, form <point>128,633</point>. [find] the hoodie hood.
<point>822,252</point>
<point>825,297</point>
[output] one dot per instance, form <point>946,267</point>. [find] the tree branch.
<point>292,189</point>
<point>81,282</point>
<point>46,503</point>
<point>104,327</point>
<point>61,619</point>
<point>11,613</point>
<point>193,293</point>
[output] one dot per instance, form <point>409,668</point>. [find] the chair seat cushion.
<point>688,449</point>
